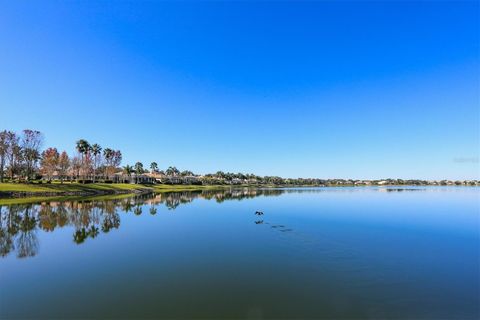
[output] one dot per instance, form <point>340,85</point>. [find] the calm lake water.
<point>315,253</point>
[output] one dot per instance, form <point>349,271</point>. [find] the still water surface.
<point>315,253</point>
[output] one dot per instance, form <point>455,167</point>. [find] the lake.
<point>341,253</point>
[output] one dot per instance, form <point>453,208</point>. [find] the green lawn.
<point>67,187</point>
<point>38,190</point>
<point>91,187</point>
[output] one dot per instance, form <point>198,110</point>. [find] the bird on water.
<point>259,213</point>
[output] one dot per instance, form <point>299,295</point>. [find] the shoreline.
<point>19,191</point>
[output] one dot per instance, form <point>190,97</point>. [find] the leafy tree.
<point>63,165</point>
<point>50,158</point>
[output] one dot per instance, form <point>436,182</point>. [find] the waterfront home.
<point>133,178</point>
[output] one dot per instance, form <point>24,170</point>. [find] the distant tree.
<point>14,154</point>
<point>49,162</point>
<point>128,170</point>
<point>117,158</point>
<point>63,165</point>
<point>172,171</point>
<point>31,143</point>
<point>138,170</point>
<point>186,173</point>
<point>113,159</point>
<point>76,166</point>
<point>96,152</point>
<point>3,152</point>
<point>154,167</point>
<point>83,147</point>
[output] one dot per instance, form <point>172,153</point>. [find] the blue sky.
<point>312,89</point>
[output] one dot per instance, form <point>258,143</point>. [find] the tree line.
<point>22,159</point>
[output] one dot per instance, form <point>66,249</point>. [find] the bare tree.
<point>12,153</point>
<point>31,143</point>
<point>3,152</point>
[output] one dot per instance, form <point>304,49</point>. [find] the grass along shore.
<point>21,190</point>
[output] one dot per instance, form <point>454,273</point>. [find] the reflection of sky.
<point>447,209</point>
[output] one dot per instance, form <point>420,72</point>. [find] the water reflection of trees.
<point>19,223</point>
<point>173,199</point>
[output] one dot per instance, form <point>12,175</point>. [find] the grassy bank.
<point>10,191</point>
<point>68,188</point>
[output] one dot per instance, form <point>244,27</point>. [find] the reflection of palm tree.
<point>126,205</point>
<point>153,210</point>
<point>93,232</point>
<point>138,210</point>
<point>79,236</point>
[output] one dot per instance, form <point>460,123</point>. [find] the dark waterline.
<point>337,253</point>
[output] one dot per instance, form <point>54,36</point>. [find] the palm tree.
<point>186,173</point>
<point>138,170</point>
<point>108,156</point>
<point>128,170</point>
<point>172,171</point>
<point>96,151</point>
<point>154,167</point>
<point>83,147</point>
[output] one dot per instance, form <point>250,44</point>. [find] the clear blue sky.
<point>313,89</point>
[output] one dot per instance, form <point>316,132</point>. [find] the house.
<point>133,178</point>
